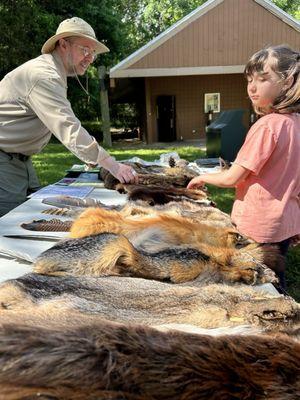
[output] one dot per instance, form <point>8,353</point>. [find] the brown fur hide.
<point>111,254</point>
<point>102,360</point>
<point>156,196</point>
<point>147,302</point>
<point>152,175</point>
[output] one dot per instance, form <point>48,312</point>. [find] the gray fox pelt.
<point>102,360</point>
<point>112,254</point>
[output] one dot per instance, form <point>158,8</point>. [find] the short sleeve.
<point>258,147</point>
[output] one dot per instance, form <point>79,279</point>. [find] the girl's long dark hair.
<point>285,62</point>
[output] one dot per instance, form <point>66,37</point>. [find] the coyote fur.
<point>112,254</point>
<point>147,302</point>
<point>196,212</point>
<point>103,360</point>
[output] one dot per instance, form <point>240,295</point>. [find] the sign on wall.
<point>212,102</point>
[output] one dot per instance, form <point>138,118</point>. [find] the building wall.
<point>226,35</point>
<point>189,93</point>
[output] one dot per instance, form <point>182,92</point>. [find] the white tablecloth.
<point>14,266</point>
<point>16,254</point>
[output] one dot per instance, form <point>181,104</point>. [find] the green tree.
<point>27,24</point>
<point>145,19</point>
<point>292,7</point>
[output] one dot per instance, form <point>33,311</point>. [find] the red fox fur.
<point>175,230</point>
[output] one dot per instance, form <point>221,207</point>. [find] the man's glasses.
<point>85,51</point>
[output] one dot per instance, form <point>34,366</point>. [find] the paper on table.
<point>27,250</point>
<point>56,190</point>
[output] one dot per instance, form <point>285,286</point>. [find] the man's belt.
<point>19,156</point>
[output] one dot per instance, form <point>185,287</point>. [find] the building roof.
<point>146,61</point>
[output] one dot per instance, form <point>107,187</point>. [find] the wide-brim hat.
<point>74,27</point>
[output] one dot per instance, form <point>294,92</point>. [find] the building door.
<point>166,126</point>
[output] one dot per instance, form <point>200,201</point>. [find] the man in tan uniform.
<point>34,105</point>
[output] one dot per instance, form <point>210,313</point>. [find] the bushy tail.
<point>96,220</point>
<point>96,255</point>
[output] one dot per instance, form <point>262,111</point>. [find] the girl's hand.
<point>196,183</point>
<point>295,241</point>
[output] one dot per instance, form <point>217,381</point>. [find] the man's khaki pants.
<point>17,178</point>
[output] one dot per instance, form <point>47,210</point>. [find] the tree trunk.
<point>104,108</point>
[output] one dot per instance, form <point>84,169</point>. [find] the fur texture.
<point>157,232</point>
<point>175,230</point>
<point>104,360</point>
<point>111,254</point>
<point>146,302</point>
<point>201,212</point>
<point>154,195</point>
<point>153,175</point>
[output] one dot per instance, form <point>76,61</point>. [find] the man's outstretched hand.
<point>124,173</point>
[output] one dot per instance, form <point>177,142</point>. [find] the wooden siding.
<point>189,93</point>
<point>226,35</point>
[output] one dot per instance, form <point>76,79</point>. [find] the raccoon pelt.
<point>111,254</point>
<point>168,230</point>
<point>92,360</point>
<point>147,302</point>
<point>155,195</point>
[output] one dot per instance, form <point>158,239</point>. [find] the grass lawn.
<point>52,163</point>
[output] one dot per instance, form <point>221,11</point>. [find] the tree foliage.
<point>123,26</point>
<point>27,24</point>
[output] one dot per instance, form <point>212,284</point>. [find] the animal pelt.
<point>146,302</point>
<point>172,230</point>
<point>200,211</point>
<point>155,195</point>
<point>110,254</point>
<point>92,360</point>
<point>158,232</point>
<point>195,211</point>
<point>152,175</point>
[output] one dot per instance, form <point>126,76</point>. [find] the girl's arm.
<point>227,178</point>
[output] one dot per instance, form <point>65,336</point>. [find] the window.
<point>212,102</point>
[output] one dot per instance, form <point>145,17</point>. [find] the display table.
<point>17,253</point>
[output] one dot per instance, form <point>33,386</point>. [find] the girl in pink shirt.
<point>266,171</point>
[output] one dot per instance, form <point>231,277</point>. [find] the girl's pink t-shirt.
<point>267,204</point>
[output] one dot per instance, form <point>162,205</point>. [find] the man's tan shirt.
<point>34,104</point>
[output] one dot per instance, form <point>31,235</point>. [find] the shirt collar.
<point>60,66</point>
